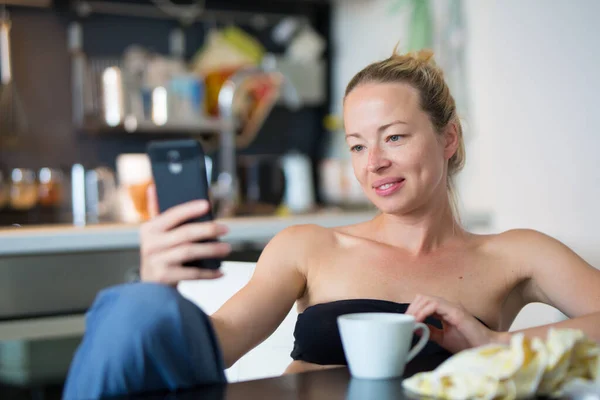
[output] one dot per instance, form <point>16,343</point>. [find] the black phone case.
<point>179,174</point>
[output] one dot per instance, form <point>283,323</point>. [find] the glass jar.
<point>23,189</point>
<point>51,187</point>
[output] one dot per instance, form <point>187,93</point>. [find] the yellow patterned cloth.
<point>521,369</point>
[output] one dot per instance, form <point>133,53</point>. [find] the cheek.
<point>359,167</point>
<point>412,159</point>
<point>425,161</point>
<point>433,166</point>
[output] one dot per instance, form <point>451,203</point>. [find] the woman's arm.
<point>252,314</point>
<point>560,278</point>
<point>588,323</point>
<point>555,276</point>
<point>255,312</point>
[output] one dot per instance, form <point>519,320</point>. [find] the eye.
<point>357,148</point>
<point>394,138</point>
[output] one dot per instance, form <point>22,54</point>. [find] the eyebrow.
<point>380,129</point>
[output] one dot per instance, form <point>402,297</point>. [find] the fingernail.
<point>223,229</point>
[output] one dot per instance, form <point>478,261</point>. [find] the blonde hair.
<point>419,70</point>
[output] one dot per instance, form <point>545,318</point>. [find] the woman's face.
<point>398,157</point>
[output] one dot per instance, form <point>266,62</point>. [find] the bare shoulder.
<point>529,248</point>
<point>296,243</point>
<point>520,236</point>
<point>555,274</point>
<point>524,242</point>
<point>304,235</point>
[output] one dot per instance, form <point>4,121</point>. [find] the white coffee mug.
<point>377,345</point>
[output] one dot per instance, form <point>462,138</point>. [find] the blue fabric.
<point>143,337</point>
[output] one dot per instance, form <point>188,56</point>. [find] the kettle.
<point>299,196</point>
<point>261,184</point>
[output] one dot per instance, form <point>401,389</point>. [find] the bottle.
<point>299,193</point>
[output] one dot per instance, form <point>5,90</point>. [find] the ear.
<point>451,140</point>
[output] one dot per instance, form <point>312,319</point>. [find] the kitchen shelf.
<point>208,126</point>
<point>182,12</point>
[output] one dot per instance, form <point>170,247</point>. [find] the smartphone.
<point>179,172</point>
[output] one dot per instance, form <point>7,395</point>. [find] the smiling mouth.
<point>386,186</point>
<point>389,188</point>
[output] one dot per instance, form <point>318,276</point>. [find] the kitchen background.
<point>64,114</point>
<point>523,71</point>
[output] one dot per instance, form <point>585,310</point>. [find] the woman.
<point>406,145</point>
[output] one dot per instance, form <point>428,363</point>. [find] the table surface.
<point>330,384</point>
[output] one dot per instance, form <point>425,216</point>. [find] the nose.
<point>377,160</point>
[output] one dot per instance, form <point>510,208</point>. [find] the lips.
<point>386,181</point>
<point>388,186</point>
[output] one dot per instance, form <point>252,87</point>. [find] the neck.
<point>423,230</point>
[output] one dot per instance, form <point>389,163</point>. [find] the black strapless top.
<point>317,338</point>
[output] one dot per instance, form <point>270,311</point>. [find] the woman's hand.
<point>166,244</point>
<point>460,330</point>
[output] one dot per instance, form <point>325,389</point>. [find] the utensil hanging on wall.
<point>13,122</point>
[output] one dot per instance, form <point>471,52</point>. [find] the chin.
<point>391,206</point>
<point>393,210</point>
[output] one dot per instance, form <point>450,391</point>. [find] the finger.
<point>189,233</point>
<point>174,275</point>
<point>180,255</point>
<point>416,304</point>
<point>448,312</point>
<point>426,310</point>
<point>152,201</point>
<point>189,273</point>
<point>435,334</point>
<point>179,214</point>
<point>412,307</point>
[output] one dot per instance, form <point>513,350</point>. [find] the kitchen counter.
<point>105,237</point>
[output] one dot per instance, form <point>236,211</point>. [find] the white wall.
<point>362,33</point>
<point>534,87</point>
<point>535,83</point>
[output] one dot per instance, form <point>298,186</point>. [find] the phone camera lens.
<point>173,156</point>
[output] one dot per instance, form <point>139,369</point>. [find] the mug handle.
<point>421,343</point>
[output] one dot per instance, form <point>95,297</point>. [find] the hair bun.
<point>425,55</point>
